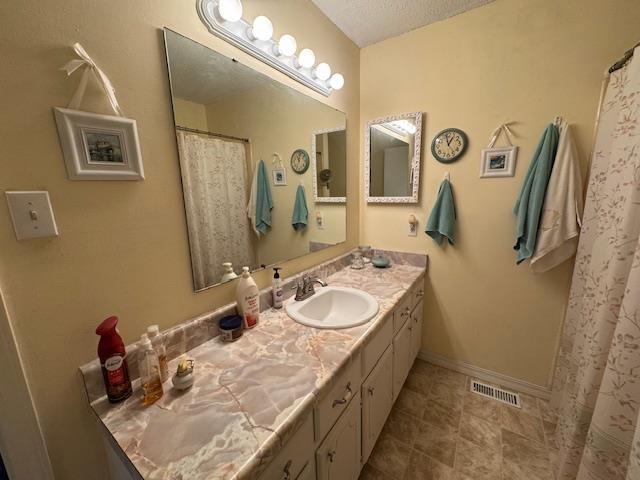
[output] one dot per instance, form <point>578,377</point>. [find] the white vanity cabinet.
<point>338,457</point>
<point>377,400</point>
<point>416,331</point>
<point>402,356</point>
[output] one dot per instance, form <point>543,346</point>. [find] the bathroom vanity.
<point>285,401</point>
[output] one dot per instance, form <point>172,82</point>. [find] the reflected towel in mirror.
<point>300,211</point>
<point>260,201</point>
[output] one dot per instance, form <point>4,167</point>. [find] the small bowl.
<point>380,261</point>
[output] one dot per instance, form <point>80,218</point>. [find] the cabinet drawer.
<point>294,456</point>
<point>376,346</point>
<point>336,401</point>
<point>402,312</point>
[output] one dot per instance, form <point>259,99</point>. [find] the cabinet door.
<point>402,357</point>
<point>377,399</point>
<point>416,333</point>
<point>338,457</point>
<point>308,472</point>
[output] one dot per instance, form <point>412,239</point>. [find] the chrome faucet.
<point>305,289</point>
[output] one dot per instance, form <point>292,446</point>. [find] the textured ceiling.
<point>370,21</point>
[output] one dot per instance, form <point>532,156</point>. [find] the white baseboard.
<point>487,375</point>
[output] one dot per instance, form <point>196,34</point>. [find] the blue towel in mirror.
<point>264,201</point>
<point>300,211</point>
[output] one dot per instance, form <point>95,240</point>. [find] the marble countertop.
<point>249,396</point>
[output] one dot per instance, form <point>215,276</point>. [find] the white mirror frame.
<point>415,163</point>
<point>317,198</point>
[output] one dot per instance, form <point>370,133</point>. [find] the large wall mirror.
<point>240,134</point>
<point>392,158</point>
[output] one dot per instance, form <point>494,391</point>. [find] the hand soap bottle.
<point>149,371</point>
<point>248,299</point>
<point>277,288</point>
<point>153,332</point>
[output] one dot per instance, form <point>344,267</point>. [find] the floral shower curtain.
<point>214,180</point>
<point>596,388</point>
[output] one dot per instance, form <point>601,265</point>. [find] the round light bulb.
<point>230,10</point>
<point>262,28</point>
<point>323,71</point>
<point>306,58</point>
<point>287,45</point>
<point>336,81</point>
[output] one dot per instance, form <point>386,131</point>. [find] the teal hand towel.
<point>300,211</point>
<point>264,202</point>
<point>442,220</point>
<point>528,207</point>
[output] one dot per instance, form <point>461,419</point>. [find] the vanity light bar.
<point>224,19</point>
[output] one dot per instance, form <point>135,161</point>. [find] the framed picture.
<point>498,162</point>
<point>279,177</point>
<point>99,147</point>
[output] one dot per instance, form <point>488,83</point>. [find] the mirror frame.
<point>316,198</point>
<point>415,166</point>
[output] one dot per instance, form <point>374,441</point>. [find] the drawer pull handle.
<point>371,390</point>
<point>344,399</point>
<point>420,293</point>
<point>287,472</point>
<point>332,455</point>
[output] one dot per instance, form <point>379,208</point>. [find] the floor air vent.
<point>496,393</point>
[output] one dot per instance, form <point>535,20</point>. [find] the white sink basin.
<point>334,307</point>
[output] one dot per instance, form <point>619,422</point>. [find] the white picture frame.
<point>498,162</point>
<point>279,177</point>
<point>99,147</point>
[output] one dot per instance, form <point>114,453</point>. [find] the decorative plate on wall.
<point>449,145</point>
<point>300,161</point>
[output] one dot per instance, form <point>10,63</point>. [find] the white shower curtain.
<point>596,388</point>
<point>214,180</point>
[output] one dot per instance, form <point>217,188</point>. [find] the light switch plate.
<point>32,214</point>
<point>413,230</point>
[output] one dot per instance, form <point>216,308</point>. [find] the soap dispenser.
<point>277,288</point>
<point>228,274</point>
<point>149,371</point>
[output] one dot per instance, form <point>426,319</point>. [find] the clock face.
<point>300,161</point>
<point>449,145</point>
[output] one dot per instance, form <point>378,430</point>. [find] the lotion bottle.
<point>248,299</point>
<point>277,288</point>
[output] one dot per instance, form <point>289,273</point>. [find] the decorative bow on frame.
<point>502,128</point>
<point>89,66</point>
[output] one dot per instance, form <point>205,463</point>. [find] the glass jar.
<point>357,262</point>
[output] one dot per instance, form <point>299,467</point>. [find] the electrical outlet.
<point>413,230</point>
<point>319,220</point>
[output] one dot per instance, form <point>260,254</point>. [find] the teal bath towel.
<point>264,202</point>
<point>528,207</point>
<point>300,211</point>
<point>442,220</point>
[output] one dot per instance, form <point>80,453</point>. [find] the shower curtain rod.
<point>623,61</point>
<point>213,134</point>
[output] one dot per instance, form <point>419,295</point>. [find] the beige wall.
<point>190,114</point>
<point>123,246</point>
<point>519,60</point>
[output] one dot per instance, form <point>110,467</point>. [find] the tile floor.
<point>439,430</point>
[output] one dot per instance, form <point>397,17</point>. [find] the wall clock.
<point>449,145</point>
<point>300,161</point>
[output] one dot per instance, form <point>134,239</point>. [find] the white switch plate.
<point>413,230</point>
<point>32,214</point>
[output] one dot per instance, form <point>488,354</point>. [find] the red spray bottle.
<point>112,359</point>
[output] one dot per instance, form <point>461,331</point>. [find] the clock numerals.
<point>448,145</point>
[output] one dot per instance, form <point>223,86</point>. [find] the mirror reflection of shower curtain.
<point>215,181</point>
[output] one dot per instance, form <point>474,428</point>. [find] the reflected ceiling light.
<point>307,58</point>
<point>322,71</point>
<point>230,10</point>
<point>286,46</point>
<point>261,28</point>
<point>403,126</point>
<point>337,81</point>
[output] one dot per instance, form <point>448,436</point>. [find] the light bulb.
<point>261,28</point>
<point>306,58</point>
<point>230,10</point>
<point>336,81</point>
<point>323,71</point>
<point>287,46</point>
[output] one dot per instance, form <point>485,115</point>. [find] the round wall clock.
<point>300,161</point>
<point>449,145</point>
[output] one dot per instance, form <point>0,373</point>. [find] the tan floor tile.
<point>411,402</point>
<point>482,407</point>
<point>437,443</point>
<point>453,379</point>
<point>446,417</point>
<point>418,383</point>
<point>446,395</point>
<point>476,462</point>
<point>547,413</point>
<point>425,468</point>
<point>522,423</point>
<point>524,457</point>
<point>401,426</point>
<point>529,405</point>
<point>424,368</point>
<point>390,457</point>
<point>371,473</point>
<point>554,462</point>
<point>482,433</point>
<point>550,434</point>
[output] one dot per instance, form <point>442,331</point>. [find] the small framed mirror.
<point>329,161</point>
<point>392,147</point>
